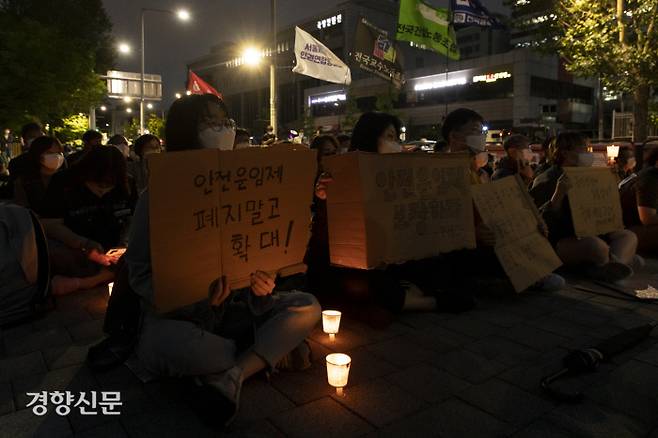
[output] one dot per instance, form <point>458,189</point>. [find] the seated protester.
<point>516,160</point>
<point>144,146</point>
<point>624,163</point>
<point>206,340</point>
<point>17,165</point>
<point>90,140</point>
<point>46,158</point>
<point>544,163</point>
<point>87,212</point>
<point>120,142</point>
<point>639,199</point>
<point>325,145</point>
<point>242,139</point>
<point>463,130</point>
<point>373,296</point>
<point>606,258</point>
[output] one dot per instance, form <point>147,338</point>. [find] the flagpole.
<point>447,55</point>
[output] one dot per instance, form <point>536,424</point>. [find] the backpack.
<point>24,265</point>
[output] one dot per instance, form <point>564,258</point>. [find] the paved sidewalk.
<point>472,375</point>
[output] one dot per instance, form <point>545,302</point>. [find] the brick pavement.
<point>470,375</point>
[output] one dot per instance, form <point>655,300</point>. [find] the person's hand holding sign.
<point>261,284</point>
<point>220,293</point>
<point>321,185</point>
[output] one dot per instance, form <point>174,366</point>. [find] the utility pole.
<point>273,90</point>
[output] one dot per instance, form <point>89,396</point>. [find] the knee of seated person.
<point>626,236</point>
<point>303,302</point>
<point>597,250</point>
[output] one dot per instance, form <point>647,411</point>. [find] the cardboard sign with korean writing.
<point>391,208</point>
<point>594,200</point>
<point>230,213</point>
<point>524,253</point>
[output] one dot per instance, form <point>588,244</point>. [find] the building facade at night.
<point>510,88</point>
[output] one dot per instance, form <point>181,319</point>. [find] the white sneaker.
<point>229,384</point>
<point>551,283</point>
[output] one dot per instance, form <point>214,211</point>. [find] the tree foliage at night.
<point>51,54</point>
<point>586,33</point>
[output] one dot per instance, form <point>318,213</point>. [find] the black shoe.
<point>110,352</point>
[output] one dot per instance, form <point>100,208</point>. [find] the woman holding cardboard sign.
<point>607,258</point>
<point>371,295</point>
<point>232,335</point>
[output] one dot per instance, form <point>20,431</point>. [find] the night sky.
<point>170,44</point>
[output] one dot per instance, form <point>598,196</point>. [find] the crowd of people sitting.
<point>97,199</point>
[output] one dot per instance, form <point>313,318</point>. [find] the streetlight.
<point>103,108</point>
<point>178,95</point>
<point>182,15</point>
<point>149,106</point>
<point>251,56</point>
<point>188,93</point>
<point>124,48</point>
<point>273,91</point>
<point>129,110</point>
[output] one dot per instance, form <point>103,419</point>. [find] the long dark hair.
<point>182,127</point>
<point>104,164</point>
<point>141,141</point>
<point>38,147</point>
<point>369,128</point>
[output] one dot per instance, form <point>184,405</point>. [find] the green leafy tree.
<point>156,125</point>
<point>51,54</point>
<point>386,101</point>
<point>72,128</point>
<point>598,39</point>
<point>132,130</point>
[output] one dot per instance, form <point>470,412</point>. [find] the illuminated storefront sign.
<point>329,98</point>
<point>492,77</point>
<point>433,85</point>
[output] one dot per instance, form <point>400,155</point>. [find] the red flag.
<point>196,85</point>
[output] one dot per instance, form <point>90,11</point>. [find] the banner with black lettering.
<point>375,52</point>
<point>314,59</point>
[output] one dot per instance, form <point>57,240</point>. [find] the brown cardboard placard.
<point>594,200</point>
<point>506,208</point>
<point>230,213</point>
<point>385,209</point>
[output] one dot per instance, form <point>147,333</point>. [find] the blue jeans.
<point>178,348</point>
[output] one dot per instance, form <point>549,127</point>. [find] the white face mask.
<point>242,146</point>
<point>217,138</point>
<point>476,143</point>
<point>389,147</point>
<point>125,149</point>
<point>585,159</point>
<point>481,159</point>
<point>52,161</point>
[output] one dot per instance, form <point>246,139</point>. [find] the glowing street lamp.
<point>149,106</point>
<point>178,95</point>
<point>124,48</point>
<point>251,56</point>
<point>129,110</point>
<point>103,108</point>
<point>182,15</point>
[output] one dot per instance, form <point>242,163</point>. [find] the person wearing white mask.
<point>45,159</point>
<point>608,258</point>
<point>201,341</point>
<point>87,212</point>
<point>517,159</point>
<point>463,129</point>
<point>373,296</point>
<point>144,146</point>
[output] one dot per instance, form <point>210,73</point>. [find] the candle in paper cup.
<point>331,322</point>
<point>338,370</point>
